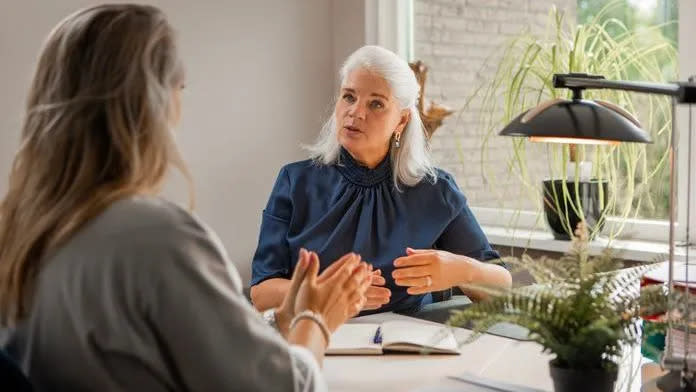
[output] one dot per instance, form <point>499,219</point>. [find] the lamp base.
<point>672,382</point>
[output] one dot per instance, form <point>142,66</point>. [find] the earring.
<point>397,139</point>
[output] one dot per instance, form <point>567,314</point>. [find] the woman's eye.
<point>376,105</point>
<point>348,98</point>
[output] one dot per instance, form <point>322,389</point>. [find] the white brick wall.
<point>454,38</point>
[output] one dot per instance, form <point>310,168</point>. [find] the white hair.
<point>411,162</point>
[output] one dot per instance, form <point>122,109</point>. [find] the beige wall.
<point>348,19</point>
<point>260,80</point>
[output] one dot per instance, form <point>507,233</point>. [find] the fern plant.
<point>584,309</point>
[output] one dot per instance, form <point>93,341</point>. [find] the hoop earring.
<point>397,140</point>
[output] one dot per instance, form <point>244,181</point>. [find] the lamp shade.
<point>577,121</point>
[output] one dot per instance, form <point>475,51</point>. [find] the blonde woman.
<point>370,187</point>
<point>103,285</point>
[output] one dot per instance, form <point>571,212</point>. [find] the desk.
<point>492,357</point>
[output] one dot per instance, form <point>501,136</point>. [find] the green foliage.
<point>584,309</point>
<point>655,24</point>
<point>636,173</point>
<point>660,12</point>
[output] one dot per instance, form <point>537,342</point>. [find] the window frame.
<point>388,25</point>
<point>687,68</point>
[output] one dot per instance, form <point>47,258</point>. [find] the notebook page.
<point>354,339</point>
<point>414,336</point>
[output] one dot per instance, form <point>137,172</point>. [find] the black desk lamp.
<point>580,121</point>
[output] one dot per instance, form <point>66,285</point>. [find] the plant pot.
<point>582,380</point>
<point>589,201</point>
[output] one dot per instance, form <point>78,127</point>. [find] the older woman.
<point>370,187</point>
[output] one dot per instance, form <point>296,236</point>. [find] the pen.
<point>378,336</point>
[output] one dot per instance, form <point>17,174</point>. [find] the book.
<point>395,336</point>
<point>676,343</point>
<point>679,274</point>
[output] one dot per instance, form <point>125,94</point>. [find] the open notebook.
<point>404,336</point>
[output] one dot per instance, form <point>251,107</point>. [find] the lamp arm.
<point>685,92</point>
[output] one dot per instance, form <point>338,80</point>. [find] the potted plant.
<point>584,310</point>
<point>583,182</point>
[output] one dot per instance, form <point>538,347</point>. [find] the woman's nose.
<point>357,111</point>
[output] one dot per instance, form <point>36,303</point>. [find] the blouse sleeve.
<point>210,332</point>
<point>463,235</point>
<point>272,257</point>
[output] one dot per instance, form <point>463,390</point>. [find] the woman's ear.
<point>403,121</point>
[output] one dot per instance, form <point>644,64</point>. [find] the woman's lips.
<point>352,129</point>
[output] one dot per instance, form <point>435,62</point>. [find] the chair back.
<point>11,377</point>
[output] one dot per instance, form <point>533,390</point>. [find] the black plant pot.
<point>582,380</point>
<point>589,200</point>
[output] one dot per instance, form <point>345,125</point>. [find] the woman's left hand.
<point>427,270</point>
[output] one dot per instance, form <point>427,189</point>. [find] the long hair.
<point>97,129</point>
<point>411,163</point>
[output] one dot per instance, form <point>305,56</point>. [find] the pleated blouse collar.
<point>362,175</point>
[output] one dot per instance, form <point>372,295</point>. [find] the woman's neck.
<point>369,160</point>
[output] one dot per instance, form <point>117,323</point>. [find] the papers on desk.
<point>398,336</point>
<point>481,384</point>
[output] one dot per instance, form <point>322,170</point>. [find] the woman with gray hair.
<point>370,187</point>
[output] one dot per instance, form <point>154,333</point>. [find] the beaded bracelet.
<point>317,318</point>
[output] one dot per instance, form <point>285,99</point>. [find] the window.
<point>461,41</point>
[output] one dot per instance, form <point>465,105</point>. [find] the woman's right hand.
<point>377,295</point>
<point>339,293</point>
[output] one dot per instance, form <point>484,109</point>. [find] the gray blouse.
<point>143,298</point>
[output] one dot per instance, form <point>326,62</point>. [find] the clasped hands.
<point>337,294</point>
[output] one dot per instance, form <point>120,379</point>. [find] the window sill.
<point>542,240</point>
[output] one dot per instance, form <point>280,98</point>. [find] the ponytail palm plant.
<point>635,175</point>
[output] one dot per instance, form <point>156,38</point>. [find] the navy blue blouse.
<point>346,207</point>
